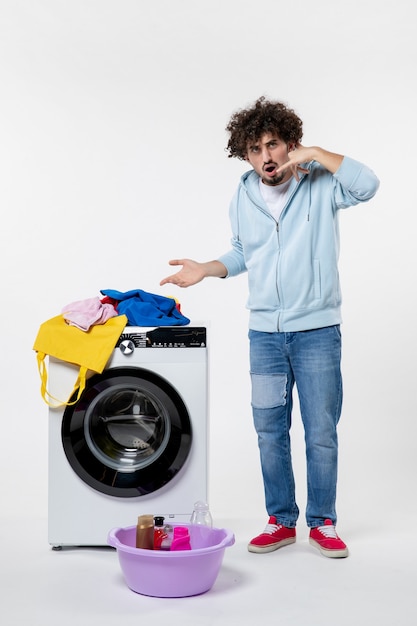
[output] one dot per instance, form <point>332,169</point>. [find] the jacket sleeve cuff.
<point>233,263</point>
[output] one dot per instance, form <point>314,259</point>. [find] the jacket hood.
<point>250,182</point>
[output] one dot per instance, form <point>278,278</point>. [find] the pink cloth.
<point>86,313</point>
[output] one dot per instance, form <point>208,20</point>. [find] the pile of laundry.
<point>140,307</point>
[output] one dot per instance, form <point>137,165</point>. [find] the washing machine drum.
<point>129,434</point>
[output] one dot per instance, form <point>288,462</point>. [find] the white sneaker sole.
<point>332,554</point>
<point>271,547</point>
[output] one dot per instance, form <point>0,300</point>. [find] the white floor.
<point>376,585</point>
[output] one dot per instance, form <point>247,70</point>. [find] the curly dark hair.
<point>265,116</point>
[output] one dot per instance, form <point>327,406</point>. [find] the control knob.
<point>127,346</point>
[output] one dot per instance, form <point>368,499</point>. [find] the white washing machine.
<point>136,442</point>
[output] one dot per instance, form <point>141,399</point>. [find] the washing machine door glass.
<point>129,434</point>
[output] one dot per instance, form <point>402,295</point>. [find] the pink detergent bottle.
<point>181,539</point>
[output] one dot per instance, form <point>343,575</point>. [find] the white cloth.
<point>275,197</point>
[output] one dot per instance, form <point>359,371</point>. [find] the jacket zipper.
<point>280,298</point>
<point>277,276</point>
<point>278,238</point>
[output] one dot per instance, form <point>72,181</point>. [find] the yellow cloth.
<point>89,350</point>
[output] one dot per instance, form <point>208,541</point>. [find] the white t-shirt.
<point>275,197</point>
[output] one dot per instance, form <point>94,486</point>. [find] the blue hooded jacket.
<point>292,264</point>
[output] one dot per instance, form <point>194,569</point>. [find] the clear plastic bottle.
<point>201,514</point>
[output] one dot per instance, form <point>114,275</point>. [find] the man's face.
<point>266,155</point>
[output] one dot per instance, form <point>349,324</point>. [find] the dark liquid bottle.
<point>145,532</point>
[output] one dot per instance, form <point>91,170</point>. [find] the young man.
<point>284,219</point>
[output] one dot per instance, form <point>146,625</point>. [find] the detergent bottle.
<point>162,537</point>
<point>181,539</point>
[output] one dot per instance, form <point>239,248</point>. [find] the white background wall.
<point>112,119</point>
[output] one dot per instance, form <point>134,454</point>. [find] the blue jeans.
<point>311,360</point>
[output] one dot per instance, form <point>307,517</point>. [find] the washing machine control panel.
<point>162,337</point>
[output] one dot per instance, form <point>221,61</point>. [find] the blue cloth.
<point>146,309</point>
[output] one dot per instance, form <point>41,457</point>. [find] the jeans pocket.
<point>268,390</point>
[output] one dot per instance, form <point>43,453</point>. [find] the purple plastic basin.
<point>175,574</point>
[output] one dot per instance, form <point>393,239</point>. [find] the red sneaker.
<point>274,536</point>
<point>327,541</point>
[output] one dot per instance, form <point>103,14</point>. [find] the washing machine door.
<point>129,434</point>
